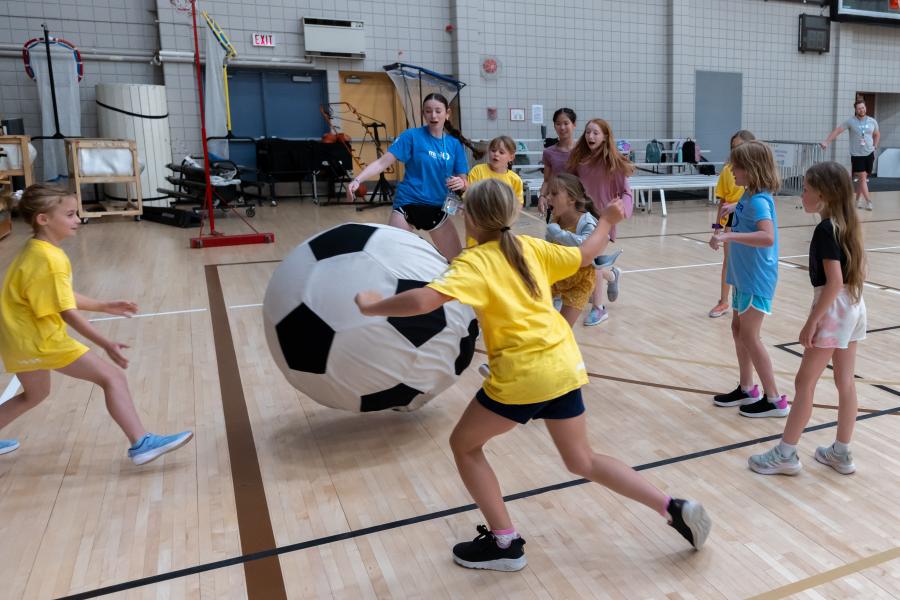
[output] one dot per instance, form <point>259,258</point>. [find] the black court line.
<point>706,232</point>
<point>348,535</point>
<point>880,286</point>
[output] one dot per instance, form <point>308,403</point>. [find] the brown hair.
<point>832,181</point>
<point>606,155</point>
<point>505,141</point>
<point>40,198</point>
<point>572,187</point>
<point>757,160</point>
<point>492,206</point>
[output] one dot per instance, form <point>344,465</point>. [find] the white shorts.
<point>845,322</point>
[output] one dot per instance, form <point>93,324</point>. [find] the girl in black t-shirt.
<point>836,322</point>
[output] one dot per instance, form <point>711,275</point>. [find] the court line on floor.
<point>829,576</point>
<point>355,533</point>
<point>264,578</point>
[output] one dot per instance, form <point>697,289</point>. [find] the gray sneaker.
<point>612,288</point>
<point>842,463</point>
<point>774,463</point>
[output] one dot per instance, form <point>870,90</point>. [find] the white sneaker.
<point>868,205</point>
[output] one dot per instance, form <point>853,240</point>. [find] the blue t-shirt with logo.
<point>429,161</point>
<point>753,270</point>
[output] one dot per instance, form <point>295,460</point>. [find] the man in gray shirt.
<point>864,137</point>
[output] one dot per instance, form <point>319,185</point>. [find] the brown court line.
<point>263,577</point>
<point>829,576</point>
<point>639,382</point>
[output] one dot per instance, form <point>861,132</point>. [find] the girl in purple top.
<point>604,172</point>
<point>556,156</point>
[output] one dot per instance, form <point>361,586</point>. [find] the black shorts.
<point>565,407</point>
<point>423,216</point>
<point>862,163</point>
<point>730,219</point>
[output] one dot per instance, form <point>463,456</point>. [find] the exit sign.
<point>266,40</point>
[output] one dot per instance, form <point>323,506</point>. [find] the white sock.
<point>787,450</point>
<point>505,537</point>
<point>841,448</point>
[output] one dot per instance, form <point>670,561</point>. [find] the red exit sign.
<point>266,40</point>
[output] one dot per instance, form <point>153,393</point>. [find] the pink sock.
<point>504,537</point>
<point>665,511</point>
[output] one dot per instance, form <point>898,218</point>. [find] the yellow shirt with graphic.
<point>510,178</point>
<point>727,189</point>
<point>36,289</point>
<point>531,350</point>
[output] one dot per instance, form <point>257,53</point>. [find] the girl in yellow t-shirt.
<point>536,369</point>
<point>501,152</point>
<point>727,193</point>
<point>37,302</point>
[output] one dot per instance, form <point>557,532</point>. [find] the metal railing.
<point>793,159</point>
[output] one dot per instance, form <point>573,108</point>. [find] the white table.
<point>647,183</point>
<point>661,183</point>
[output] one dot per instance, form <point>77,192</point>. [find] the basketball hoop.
<point>182,5</point>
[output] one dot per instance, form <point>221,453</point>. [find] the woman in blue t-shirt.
<point>435,165</point>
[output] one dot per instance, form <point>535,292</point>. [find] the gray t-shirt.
<point>861,131</point>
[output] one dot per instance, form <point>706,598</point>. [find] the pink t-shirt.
<point>602,188</point>
<point>556,159</point>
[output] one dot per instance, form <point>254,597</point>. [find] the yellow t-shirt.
<point>510,178</point>
<point>531,350</point>
<point>726,189</point>
<point>36,289</point>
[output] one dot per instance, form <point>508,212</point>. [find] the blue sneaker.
<point>152,446</point>
<point>557,303</point>
<point>8,446</point>
<point>596,316</point>
<point>612,288</point>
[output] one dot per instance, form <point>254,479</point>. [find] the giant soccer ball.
<point>329,351</point>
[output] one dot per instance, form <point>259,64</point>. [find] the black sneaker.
<point>689,518</point>
<point>484,553</point>
<point>766,408</point>
<point>736,397</point>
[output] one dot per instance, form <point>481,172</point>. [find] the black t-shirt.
<point>824,246</point>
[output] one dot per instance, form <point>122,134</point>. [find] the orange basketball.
<point>361,191</point>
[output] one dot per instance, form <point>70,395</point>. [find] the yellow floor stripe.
<point>829,576</point>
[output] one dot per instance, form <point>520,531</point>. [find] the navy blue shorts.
<point>565,407</point>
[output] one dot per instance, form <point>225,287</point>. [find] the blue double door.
<point>269,103</point>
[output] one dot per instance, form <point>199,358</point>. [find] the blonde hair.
<point>606,154</point>
<point>757,160</point>
<point>572,187</point>
<point>40,198</point>
<point>492,206</point>
<point>832,182</point>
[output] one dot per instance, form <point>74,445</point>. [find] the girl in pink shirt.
<point>604,172</point>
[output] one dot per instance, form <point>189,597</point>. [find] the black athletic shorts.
<point>423,216</point>
<point>730,220</point>
<point>566,406</point>
<point>863,163</point>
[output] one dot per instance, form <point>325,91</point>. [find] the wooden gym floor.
<point>278,497</point>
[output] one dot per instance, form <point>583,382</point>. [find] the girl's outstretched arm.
<point>599,239</point>
<point>123,308</point>
<point>410,303</point>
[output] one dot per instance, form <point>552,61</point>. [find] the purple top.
<point>556,159</point>
<point>602,189</point>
